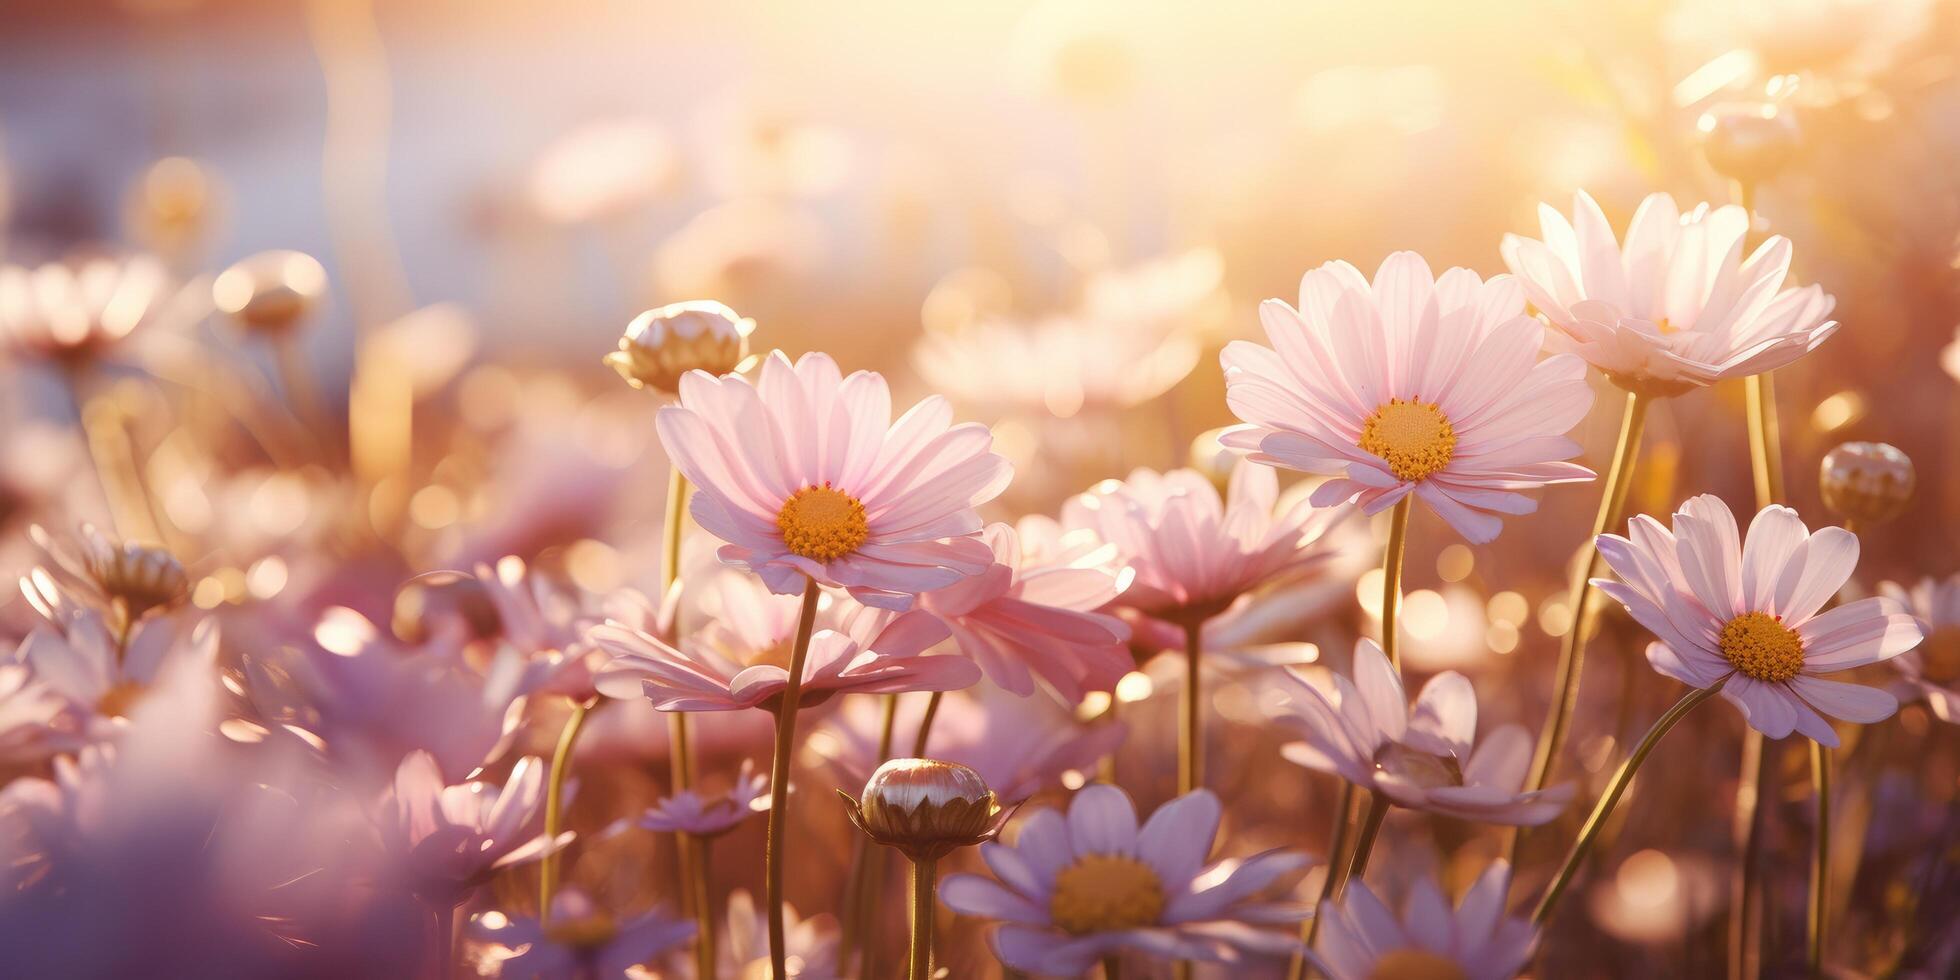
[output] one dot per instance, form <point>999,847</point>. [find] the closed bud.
<point>1748,142</point>
<point>662,344</point>
<point>1866,483</point>
<point>926,808</point>
<point>133,579</point>
<point>270,292</point>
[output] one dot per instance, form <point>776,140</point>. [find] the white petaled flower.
<point>804,473</point>
<point>1410,384</point>
<point>1420,756</point>
<point>1932,671</point>
<point>1747,614</point>
<point>663,344</point>
<point>1677,306</point>
<point>1361,939</point>
<point>1075,889</point>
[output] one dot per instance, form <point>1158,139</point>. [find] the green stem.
<point>1572,645</point>
<point>554,807</point>
<point>860,893</point>
<point>779,781</point>
<point>1820,858</point>
<point>924,873</point>
<point>1112,968</point>
<point>925,725</point>
<point>1614,790</point>
<point>1748,845</point>
<point>1191,741</point>
<point>1310,928</point>
<point>704,910</point>
<point>1365,844</point>
<point>1398,537</point>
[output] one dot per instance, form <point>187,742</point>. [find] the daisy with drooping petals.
<point>1410,385</point>
<point>1932,671</point>
<point>1026,616</point>
<point>1361,939</point>
<point>691,812</point>
<point>1420,756</point>
<point>805,474</point>
<point>1677,306</point>
<point>1745,614</point>
<point>1191,554</point>
<point>1073,890</point>
<point>870,651</point>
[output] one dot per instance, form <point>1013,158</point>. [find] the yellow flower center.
<point>119,699</point>
<point>1760,646</point>
<point>1416,964</point>
<point>822,524</point>
<point>1413,437</point>
<point>1106,893</point>
<point>1939,656</point>
<point>1667,328</point>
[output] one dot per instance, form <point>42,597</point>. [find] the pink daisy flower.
<point>804,473</point>
<point>541,630</point>
<point>1411,384</point>
<point>1191,554</point>
<point>1932,671</point>
<point>1677,306</point>
<point>450,839</point>
<point>744,948</point>
<point>1031,614</point>
<point>1420,756</point>
<point>1360,938</point>
<point>1075,889</point>
<point>866,650</point>
<point>582,940</point>
<point>703,815</point>
<point>1745,614</point>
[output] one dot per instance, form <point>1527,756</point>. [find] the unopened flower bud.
<point>1748,142</point>
<point>272,291</point>
<point>1866,483</point>
<point>926,807</point>
<point>662,344</point>
<point>136,578</point>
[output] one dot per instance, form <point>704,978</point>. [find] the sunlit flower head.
<point>1747,613</point>
<point>1074,889</point>
<point>72,314</point>
<point>1422,755</point>
<point>450,838</point>
<point>1058,365</point>
<point>870,651</point>
<point>743,949</point>
<point>927,808</point>
<point>541,629</point>
<point>1191,553</point>
<point>1677,306</point>
<point>1034,615</point>
<point>1362,939</point>
<point>1410,384</point>
<point>804,473</point>
<point>661,345</point>
<point>125,581</point>
<point>581,940</point>
<point>1932,670</point>
<point>78,657</point>
<point>711,815</point>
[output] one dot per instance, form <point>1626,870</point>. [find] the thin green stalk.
<point>1572,646</point>
<point>1365,844</point>
<point>1112,968</point>
<point>554,807</point>
<point>1191,741</point>
<point>785,748</point>
<point>925,725</point>
<point>1818,921</point>
<point>924,874</point>
<point>1604,809</point>
<point>1310,928</point>
<point>1743,956</point>
<point>703,902</point>
<point>866,860</point>
<point>1398,537</point>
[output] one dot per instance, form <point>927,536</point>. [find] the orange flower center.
<point>1105,893</point>
<point>1761,647</point>
<point>1939,656</point>
<point>1415,964</point>
<point>1413,437</point>
<point>822,524</point>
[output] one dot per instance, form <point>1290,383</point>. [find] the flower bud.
<point>136,578</point>
<point>1748,142</point>
<point>926,807</point>
<point>433,601</point>
<point>272,291</point>
<point>662,344</point>
<point>1866,482</point>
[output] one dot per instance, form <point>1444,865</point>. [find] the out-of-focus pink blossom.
<point>581,941</point>
<point>1932,670</point>
<point>1360,938</point>
<point>449,838</point>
